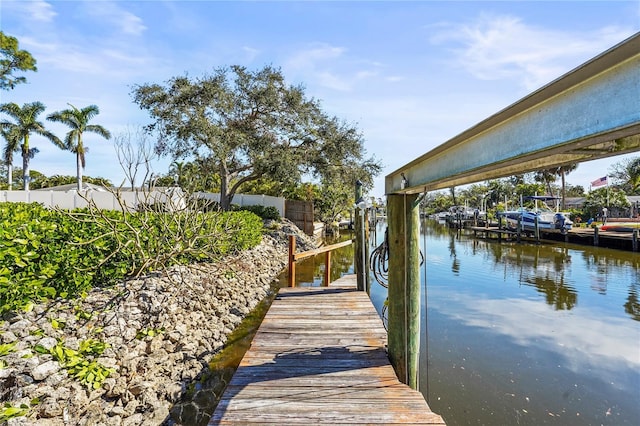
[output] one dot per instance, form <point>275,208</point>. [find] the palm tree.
<point>548,176</point>
<point>563,171</point>
<point>78,121</point>
<point>26,122</point>
<point>177,168</point>
<point>626,175</point>
<point>13,144</point>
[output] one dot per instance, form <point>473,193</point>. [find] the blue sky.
<point>411,75</point>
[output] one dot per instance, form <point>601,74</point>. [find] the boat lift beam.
<point>591,112</point>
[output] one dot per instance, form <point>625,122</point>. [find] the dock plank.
<point>319,357</point>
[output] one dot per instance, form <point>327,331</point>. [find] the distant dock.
<point>626,240</point>
<point>319,357</point>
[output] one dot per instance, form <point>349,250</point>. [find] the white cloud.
<point>250,52</point>
<point>316,66</point>
<point>505,47</point>
<point>330,67</point>
<point>332,81</point>
<point>36,10</point>
<point>62,56</point>
<point>313,57</point>
<point>395,78</point>
<point>95,60</point>
<point>110,12</point>
<point>607,341</point>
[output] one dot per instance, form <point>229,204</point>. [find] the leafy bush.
<point>48,253</point>
<point>265,213</point>
<point>81,364</point>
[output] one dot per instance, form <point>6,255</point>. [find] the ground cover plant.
<point>53,253</point>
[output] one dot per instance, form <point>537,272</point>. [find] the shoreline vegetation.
<point>133,352</point>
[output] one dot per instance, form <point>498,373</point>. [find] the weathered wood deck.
<point>319,357</point>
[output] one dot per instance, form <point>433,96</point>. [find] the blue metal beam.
<point>591,112</point>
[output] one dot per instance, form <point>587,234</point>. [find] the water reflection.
<point>544,268</point>
<point>529,334</point>
<point>632,307</point>
<point>310,271</point>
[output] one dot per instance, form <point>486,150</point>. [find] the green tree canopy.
<point>25,122</point>
<point>78,121</point>
<point>548,176</point>
<point>243,125</point>
<point>35,178</point>
<point>40,180</point>
<point>12,145</point>
<point>574,191</point>
<point>435,202</point>
<point>13,59</point>
<point>626,175</point>
<point>604,197</point>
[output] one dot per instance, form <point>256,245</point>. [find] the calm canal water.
<point>524,334</point>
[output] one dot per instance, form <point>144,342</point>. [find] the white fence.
<point>131,199</point>
<point>248,200</point>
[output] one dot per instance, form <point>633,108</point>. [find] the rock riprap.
<point>125,355</point>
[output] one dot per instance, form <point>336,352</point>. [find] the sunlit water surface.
<point>523,334</point>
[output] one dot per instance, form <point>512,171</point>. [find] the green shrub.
<point>81,364</point>
<point>48,253</point>
<point>265,213</point>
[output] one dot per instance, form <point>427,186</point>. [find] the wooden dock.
<point>589,236</point>
<point>319,357</point>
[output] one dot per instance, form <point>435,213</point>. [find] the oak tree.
<point>244,125</point>
<point>13,59</point>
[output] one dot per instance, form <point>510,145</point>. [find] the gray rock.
<point>117,411</point>
<point>6,372</point>
<point>114,420</point>
<point>19,421</point>
<point>8,337</point>
<point>56,378</point>
<point>137,388</point>
<point>47,342</point>
<point>130,408</point>
<point>135,420</point>
<point>45,370</point>
<point>19,328</point>
<point>49,408</point>
<point>198,307</point>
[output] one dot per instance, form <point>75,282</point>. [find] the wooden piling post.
<point>327,268</point>
<point>404,286</point>
<point>634,240</point>
<point>358,249</point>
<point>292,263</point>
<point>367,253</point>
<point>596,236</point>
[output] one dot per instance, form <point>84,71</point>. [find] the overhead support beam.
<point>589,113</point>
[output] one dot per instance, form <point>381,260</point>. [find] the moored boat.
<point>541,217</point>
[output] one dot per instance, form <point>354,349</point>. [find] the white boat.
<point>464,213</point>
<point>545,217</point>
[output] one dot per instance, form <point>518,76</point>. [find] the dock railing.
<point>293,257</point>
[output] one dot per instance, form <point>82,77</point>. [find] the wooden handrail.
<point>293,257</point>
